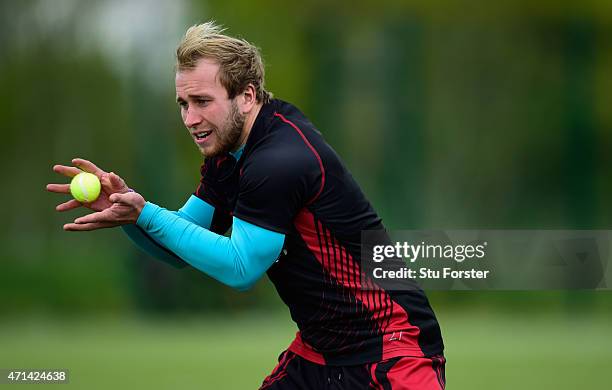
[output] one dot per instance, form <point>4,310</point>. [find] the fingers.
<point>115,180</point>
<point>66,171</point>
<point>71,204</point>
<point>127,198</point>
<point>130,199</point>
<point>117,198</point>
<point>87,166</point>
<point>99,217</point>
<point>59,188</point>
<point>73,227</point>
<point>100,220</point>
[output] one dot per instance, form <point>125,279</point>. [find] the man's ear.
<point>248,99</point>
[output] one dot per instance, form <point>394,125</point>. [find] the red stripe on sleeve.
<point>318,157</point>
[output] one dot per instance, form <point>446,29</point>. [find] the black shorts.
<point>295,372</point>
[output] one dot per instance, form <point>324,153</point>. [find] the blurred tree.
<point>450,115</point>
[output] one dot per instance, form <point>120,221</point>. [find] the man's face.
<point>213,120</point>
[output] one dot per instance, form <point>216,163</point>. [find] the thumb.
<point>116,198</point>
<point>115,180</point>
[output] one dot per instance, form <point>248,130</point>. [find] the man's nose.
<point>192,118</point>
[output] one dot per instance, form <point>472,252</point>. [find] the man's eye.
<point>182,104</point>
<point>202,102</point>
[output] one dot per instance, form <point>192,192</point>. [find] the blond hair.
<point>240,62</point>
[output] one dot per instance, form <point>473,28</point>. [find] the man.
<point>296,214</point>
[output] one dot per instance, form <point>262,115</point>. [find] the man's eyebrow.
<point>194,96</point>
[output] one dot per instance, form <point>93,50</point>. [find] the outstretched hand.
<point>124,209</point>
<point>110,184</point>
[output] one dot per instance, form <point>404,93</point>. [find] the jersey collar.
<point>262,123</point>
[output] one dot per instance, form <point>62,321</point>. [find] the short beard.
<point>230,132</point>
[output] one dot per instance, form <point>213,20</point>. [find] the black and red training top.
<point>289,180</point>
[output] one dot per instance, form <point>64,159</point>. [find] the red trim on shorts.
<point>440,369</point>
<point>279,371</point>
<point>415,373</point>
<point>377,384</point>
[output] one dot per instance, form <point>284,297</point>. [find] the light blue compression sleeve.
<point>237,261</point>
<point>195,211</point>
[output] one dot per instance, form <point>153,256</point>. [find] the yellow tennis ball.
<point>85,187</point>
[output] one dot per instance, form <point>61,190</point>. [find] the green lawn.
<point>501,351</point>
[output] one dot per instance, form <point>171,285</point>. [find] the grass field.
<point>484,351</point>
